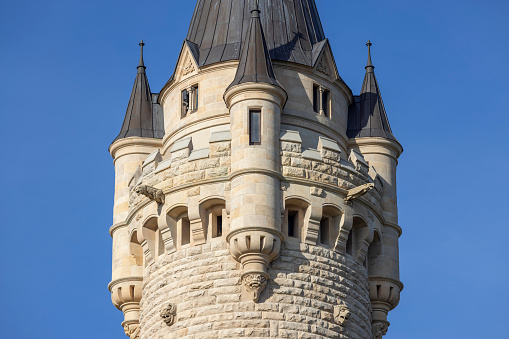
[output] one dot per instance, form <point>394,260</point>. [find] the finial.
<point>370,64</point>
<point>141,54</point>
<point>255,12</point>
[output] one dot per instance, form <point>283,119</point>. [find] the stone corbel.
<point>344,230</point>
<point>167,227</point>
<point>384,294</point>
<point>126,296</point>
<point>341,315</point>
<point>314,217</point>
<point>195,221</point>
<point>255,248</point>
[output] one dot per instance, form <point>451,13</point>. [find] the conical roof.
<point>140,118</point>
<point>255,64</point>
<point>292,28</point>
<point>367,116</point>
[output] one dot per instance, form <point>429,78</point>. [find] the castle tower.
<point>264,203</point>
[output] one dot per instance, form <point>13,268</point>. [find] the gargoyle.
<point>151,193</point>
<point>341,315</point>
<point>357,192</point>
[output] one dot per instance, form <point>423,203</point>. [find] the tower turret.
<point>255,100</point>
<point>140,135</point>
<point>370,133</point>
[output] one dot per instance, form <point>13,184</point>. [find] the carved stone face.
<point>379,330</point>
<point>255,284</point>
<point>168,314</point>
<point>341,315</point>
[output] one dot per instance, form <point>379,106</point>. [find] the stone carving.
<point>255,284</point>
<point>357,192</point>
<point>317,192</point>
<point>341,315</point>
<point>139,216</point>
<point>380,329</point>
<point>132,331</point>
<point>322,66</point>
<point>151,193</point>
<point>169,314</point>
<point>188,68</point>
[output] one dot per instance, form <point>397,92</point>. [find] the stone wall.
<point>306,282</point>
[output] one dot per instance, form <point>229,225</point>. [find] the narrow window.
<point>324,231</point>
<point>185,103</point>
<point>326,103</point>
<point>186,231</point>
<point>255,127</point>
<point>316,97</point>
<point>292,221</point>
<point>349,243</point>
<point>219,225</point>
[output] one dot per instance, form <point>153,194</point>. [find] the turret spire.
<point>141,118</point>
<point>141,55</point>
<point>370,64</point>
<point>255,64</point>
<point>367,117</point>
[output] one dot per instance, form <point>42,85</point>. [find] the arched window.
<point>329,225</point>
<point>357,244</point>
<point>374,250</point>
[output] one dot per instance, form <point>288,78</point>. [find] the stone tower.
<point>255,195</point>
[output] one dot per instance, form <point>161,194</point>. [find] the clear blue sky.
<point>68,69</point>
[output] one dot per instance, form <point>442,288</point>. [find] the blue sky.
<point>68,69</point>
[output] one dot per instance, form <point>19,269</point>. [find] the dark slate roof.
<point>140,119</point>
<point>292,28</point>
<point>367,116</point>
<point>255,64</point>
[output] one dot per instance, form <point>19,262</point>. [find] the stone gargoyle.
<point>151,192</point>
<point>357,192</point>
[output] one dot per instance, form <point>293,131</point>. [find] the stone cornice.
<point>252,91</point>
<point>255,229</point>
<point>394,226</point>
<point>122,281</point>
<point>273,174</point>
<point>390,280</point>
<point>116,227</point>
<point>132,145</point>
<point>386,147</point>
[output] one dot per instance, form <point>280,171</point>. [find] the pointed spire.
<point>141,119</point>
<point>367,116</point>
<point>370,64</point>
<point>255,64</point>
<point>141,55</point>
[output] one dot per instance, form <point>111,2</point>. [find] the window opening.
<point>326,103</point>
<point>255,127</point>
<point>316,97</point>
<point>219,225</point>
<point>186,231</point>
<point>324,231</point>
<point>185,103</point>
<point>349,243</point>
<point>292,218</point>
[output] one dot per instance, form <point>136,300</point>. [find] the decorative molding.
<point>169,314</point>
<point>152,193</point>
<point>322,66</point>
<point>358,192</point>
<point>317,192</point>
<point>188,67</point>
<point>341,315</point>
<point>254,283</point>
